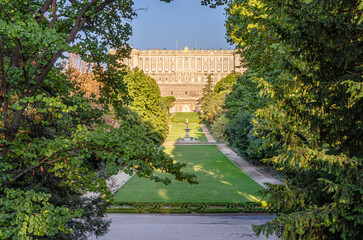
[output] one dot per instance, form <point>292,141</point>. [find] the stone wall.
<point>183,73</point>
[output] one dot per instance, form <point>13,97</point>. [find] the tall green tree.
<point>307,57</point>
<point>240,106</point>
<point>147,101</point>
<point>205,107</point>
<point>212,102</point>
<point>55,144</point>
<point>226,83</point>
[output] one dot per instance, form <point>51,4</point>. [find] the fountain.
<point>187,138</point>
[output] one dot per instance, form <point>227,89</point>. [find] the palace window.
<point>171,93</point>
<point>186,93</point>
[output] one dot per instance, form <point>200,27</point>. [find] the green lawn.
<point>219,180</point>
<point>177,131</point>
<point>181,117</point>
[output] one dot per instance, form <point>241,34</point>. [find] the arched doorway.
<point>186,108</point>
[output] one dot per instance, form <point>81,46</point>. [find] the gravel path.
<point>113,183</point>
<point>207,134</point>
<point>252,171</point>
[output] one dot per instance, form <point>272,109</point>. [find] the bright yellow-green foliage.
<point>146,100</point>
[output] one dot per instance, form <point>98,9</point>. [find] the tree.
<point>240,105</point>
<point>168,102</point>
<point>147,102</point>
<point>306,56</point>
<point>55,143</point>
<point>226,83</point>
<point>206,103</point>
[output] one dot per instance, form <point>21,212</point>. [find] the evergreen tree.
<point>205,101</point>
<point>306,56</point>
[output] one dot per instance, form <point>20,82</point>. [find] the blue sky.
<point>161,24</point>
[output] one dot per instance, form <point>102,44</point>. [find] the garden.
<point>222,187</point>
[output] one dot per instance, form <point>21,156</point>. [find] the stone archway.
<point>186,108</point>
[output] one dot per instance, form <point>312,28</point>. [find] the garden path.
<point>252,171</point>
<point>207,134</point>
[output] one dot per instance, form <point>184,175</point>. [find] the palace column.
<point>209,59</point>
<point>176,63</point>
<point>222,70</point>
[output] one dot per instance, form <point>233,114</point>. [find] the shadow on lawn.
<point>213,181</point>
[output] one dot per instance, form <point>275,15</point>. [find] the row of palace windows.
<point>186,69</point>
<point>186,58</point>
<point>179,79</point>
<point>186,93</point>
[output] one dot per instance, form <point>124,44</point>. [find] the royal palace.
<point>183,73</point>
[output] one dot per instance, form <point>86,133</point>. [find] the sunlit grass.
<point>177,131</point>
<point>181,117</point>
<point>219,180</point>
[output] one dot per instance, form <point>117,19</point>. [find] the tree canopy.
<point>148,103</point>
<point>56,143</point>
<point>306,59</point>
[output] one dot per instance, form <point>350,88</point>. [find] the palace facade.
<point>183,73</point>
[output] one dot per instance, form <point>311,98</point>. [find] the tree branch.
<point>44,10</point>
<point>54,14</point>
<point>80,21</point>
<point>31,168</point>
<point>44,161</point>
<point>103,5</point>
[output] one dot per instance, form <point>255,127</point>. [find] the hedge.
<point>199,207</point>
